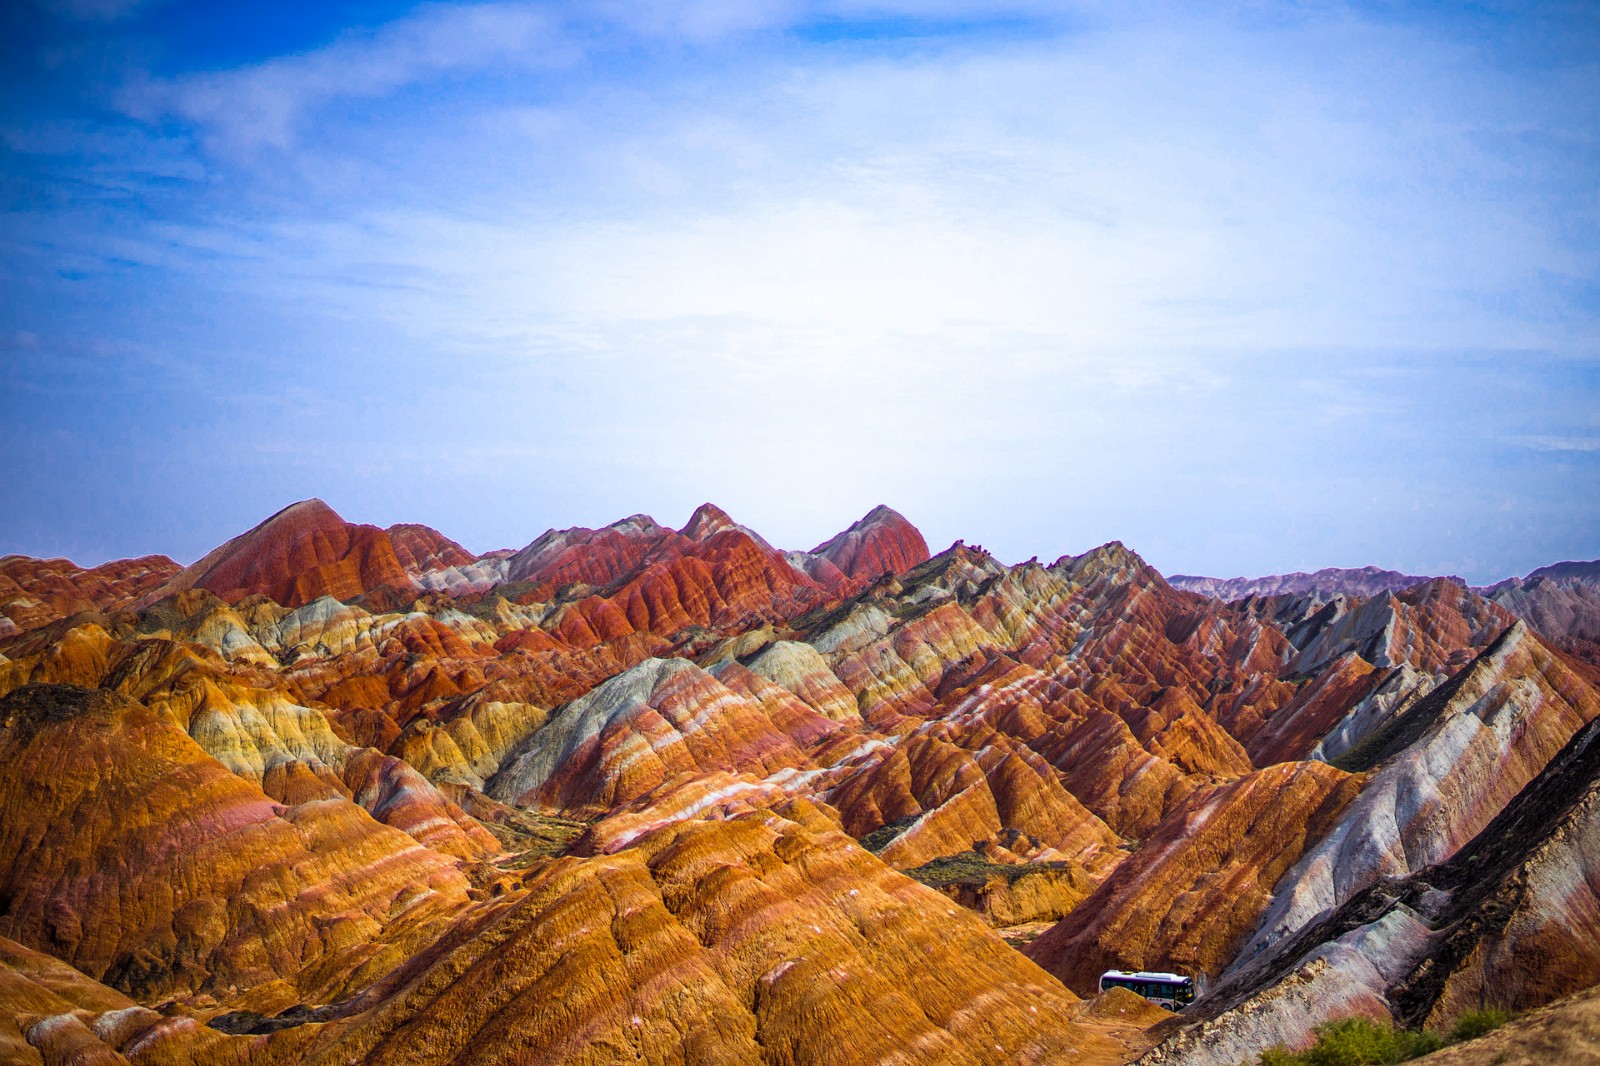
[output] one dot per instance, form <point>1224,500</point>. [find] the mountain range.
<point>1562,601</point>
<point>337,793</point>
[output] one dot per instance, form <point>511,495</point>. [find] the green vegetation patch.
<point>882,836</point>
<point>1476,1023</point>
<point>970,868</point>
<point>1357,1042</point>
<point>1364,1042</point>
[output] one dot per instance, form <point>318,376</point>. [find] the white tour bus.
<point>1170,990</point>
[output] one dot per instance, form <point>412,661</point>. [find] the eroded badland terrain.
<point>342,794</point>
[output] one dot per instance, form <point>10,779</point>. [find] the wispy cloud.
<point>264,103</point>
<point>1116,270</point>
<point>1036,189</point>
<point>1547,443</point>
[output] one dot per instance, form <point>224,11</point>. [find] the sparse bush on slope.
<point>1364,1042</point>
<point>1356,1042</point>
<point>1476,1023</point>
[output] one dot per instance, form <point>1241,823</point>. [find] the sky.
<point>1252,287</point>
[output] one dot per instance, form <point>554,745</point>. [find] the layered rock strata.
<point>637,793</point>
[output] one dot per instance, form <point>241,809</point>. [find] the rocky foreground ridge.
<point>337,793</point>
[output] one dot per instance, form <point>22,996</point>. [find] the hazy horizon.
<point>1267,288</point>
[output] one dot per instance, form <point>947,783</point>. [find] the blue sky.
<point>1252,287</point>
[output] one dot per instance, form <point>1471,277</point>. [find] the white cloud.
<point>264,103</point>
<point>1038,189</point>
<point>246,107</point>
<point>1068,283</point>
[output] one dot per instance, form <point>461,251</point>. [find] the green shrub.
<point>1361,1042</point>
<point>1356,1042</point>
<point>971,868</point>
<point>884,835</point>
<point>1476,1023</point>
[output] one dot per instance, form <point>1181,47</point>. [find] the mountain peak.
<point>311,505</point>
<point>707,521</point>
<point>637,525</point>
<point>1111,556</point>
<point>880,515</point>
<point>294,556</point>
<point>883,541</point>
<point>422,548</point>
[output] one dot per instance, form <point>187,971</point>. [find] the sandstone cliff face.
<point>1561,601</point>
<point>956,799</point>
<point>1435,628</point>
<point>1445,768</point>
<point>1556,606</point>
<point>800,669</point>
<point>213,884</point>
<point>1346,697</point>
<point>266,735</point>
<point>1188,898</point>
<point>1093,664</point>
<point>422,550</point>
<point>1368,660</point>
<point>1507,922</point>
<point>883,542</point>
<point>1008,893</point>
<point>663,717</point>
<point>1523,915</point>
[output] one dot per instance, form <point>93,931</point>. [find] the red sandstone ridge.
<point>420,548</point>
<point>303,552</point>
<point>708,520</point>
<point>883,542</point>
<point>36,592</point>
<point>638,577</point>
